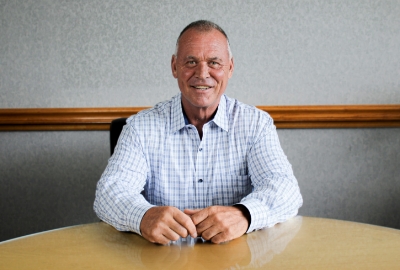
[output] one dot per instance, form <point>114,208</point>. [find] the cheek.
<point>185,75</point>
<point>219,75</point>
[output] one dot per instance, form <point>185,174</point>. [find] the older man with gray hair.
<point>200,164</point>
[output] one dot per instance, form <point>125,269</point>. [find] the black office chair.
<point>115,130</point>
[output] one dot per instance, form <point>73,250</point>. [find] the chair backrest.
<point>115,130</point>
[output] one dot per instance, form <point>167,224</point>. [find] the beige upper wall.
<point>117,53</point>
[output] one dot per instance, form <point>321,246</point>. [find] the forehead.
<point>194,43</point>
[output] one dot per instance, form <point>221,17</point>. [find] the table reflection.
<point>253,250</point>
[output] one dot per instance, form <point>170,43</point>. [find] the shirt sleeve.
<point>276,195</point>
<point>119,201</point>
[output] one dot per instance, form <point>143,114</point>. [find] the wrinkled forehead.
<point>211,43</point>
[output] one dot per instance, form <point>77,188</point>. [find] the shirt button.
<point>200,181</point>
<point>201,149</point>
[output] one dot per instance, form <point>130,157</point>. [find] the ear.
<point>173,67</point>
<point>231,68</point>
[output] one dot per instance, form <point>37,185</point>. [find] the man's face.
<point>202,67</point>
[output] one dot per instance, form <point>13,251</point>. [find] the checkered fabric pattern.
<point>239,160</point>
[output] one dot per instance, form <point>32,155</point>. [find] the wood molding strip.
<point>336,116</point>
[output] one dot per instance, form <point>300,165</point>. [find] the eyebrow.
<point>209,59</point>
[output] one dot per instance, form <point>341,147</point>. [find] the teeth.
<point>201,87</point>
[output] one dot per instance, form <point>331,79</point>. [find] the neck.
<point>199,116</point>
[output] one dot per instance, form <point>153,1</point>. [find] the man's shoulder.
<point>239,110</point>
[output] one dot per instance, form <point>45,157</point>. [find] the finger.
<point>160,238</point>
<point>204,226</point>
<point>170,235</point>
<point>199,216</point>
<point>209,231</point>
<point>187,224</point>
<point>191,211</point>
<point>216,234</point>
<point>220,238</point>
<point>179,229</point>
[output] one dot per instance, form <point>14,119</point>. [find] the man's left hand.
<point>219,223</point>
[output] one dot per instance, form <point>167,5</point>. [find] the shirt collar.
<point>221,117</point>
<point>178,118</point>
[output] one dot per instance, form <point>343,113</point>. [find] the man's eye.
<point>214,64</point>
<point>191,63</point>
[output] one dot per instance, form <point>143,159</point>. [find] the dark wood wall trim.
<point>340,116</point>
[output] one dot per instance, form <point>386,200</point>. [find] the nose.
<point>202,71</point>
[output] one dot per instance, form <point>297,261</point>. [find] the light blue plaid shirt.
<point>238,161</point>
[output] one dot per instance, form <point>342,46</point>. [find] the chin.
<point>201,102</point>
<point>201,105</point>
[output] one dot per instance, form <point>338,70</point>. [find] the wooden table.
<point>300,243</point>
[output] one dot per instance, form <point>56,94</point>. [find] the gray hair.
<point>203,26</point>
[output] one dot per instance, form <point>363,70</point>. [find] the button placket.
<point>200,181</point>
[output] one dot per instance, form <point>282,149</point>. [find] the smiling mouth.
<point>201,87</point>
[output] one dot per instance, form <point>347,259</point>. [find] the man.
<point>209,165</point>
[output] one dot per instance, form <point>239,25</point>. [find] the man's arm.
<point>120,203</point>
<point>275,196</point>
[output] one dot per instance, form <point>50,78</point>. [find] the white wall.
<point>117,53</point>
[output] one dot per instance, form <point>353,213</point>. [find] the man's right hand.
<point>162,224</point>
